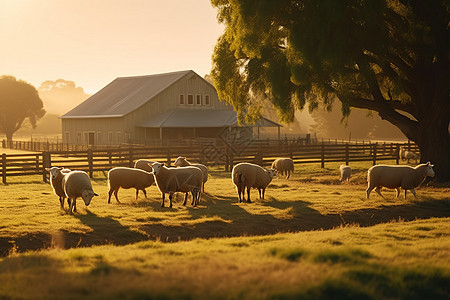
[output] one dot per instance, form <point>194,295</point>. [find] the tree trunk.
<point>434,143</point>
<point>9,136</point>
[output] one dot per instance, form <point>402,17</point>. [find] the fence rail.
<point>101,160</point>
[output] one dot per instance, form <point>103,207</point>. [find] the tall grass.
<point>311,238</point>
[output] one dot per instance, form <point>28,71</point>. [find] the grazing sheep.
<point>401,153</point>
<point>56,176</point>
<point>143,164</point>
<point>247,175</point>
<point>396,177</point>
<point>410,155</point>
<point>181,161</point>
<point>182,179</point>
<point>77,184</point>
<point>346,172</point>
<point>122,177</point>
<point>283,165</point>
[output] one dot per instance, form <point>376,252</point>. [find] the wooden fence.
<point>226,155</point>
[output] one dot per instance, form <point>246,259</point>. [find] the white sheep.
<point>182,179</point>
<point>396,177</point>
<point>181,161</point>
<point>283,165</point>
<point>56,176</point>
<point>77,184</point>
<point>122,177</point>
<point>143,164</point>
<point>346,172</point>
<point>410,155</point>
<point>248,175</point>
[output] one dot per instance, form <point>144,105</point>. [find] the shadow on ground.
<point>221,217</point>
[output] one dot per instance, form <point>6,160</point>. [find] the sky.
<point>92,42</point>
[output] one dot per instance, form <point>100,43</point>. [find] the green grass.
<point>311,238</point>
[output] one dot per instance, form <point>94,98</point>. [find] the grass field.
<point>311,238</point>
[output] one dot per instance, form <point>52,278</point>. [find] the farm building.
<point>155,108</point>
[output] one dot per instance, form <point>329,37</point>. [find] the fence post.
<point>131,158</point>
<point>90,163</point>
<point>4,167</point>
<point>374,154</point>
<point>397,154</point>
<point>46,163</point>
<point>347,155</point>
<point>322,156</point>
<point>169,159</point>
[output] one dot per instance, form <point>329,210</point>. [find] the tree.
<point>388,56</point>
<point>19,100</point>
<point>61,95</point>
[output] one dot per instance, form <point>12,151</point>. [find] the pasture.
<point>311,238</point>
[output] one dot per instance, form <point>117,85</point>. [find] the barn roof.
<point>200,118</point>
<point>124,95</point>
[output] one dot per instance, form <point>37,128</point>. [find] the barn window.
<point>190,99</point>
<point>181,100</point>
<point>207,100</point>
<point>198,100</point>
<point>99,137</point>
<point>67,137</point>
<point>118,137</point>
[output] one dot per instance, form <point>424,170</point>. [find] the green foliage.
<point>18,101</point>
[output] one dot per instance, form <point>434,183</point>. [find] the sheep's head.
<point>271,172</point>
<point>179,161</point>
<point>54,171</point>
<point>429,169</point>
<point>87,196</point>
<point>156,166</point>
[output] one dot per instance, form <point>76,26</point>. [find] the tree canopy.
<point>19,100</point>
<point>388,56</point>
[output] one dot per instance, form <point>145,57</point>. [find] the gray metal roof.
<point>199,118</point>
<point>124,95</point>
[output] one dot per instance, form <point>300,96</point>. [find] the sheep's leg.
<point>368,190</point>
<point>259,192</point>
<point>170,199</point>
<point>71,207</point>
<point>116,191</point>
<point>288,174</point>
<point>413,192</point>
<point>162,196</point>
<point>263,191</point>
<point>145,193</point>
<point>239,190</point>
<point>199,194</point>
<point>137,193</point>
<point>61,202</point>
<point>248,195</point>
<point>194,198</point>
<point>109,195</point>
<point>185,198</point>
<point>397,192</point>
<point>378,190</point>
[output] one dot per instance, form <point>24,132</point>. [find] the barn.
<point>155,109</point>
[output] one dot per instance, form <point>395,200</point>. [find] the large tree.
<point>388,56</point>
<point>19,100</point>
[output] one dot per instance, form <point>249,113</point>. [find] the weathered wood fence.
<point>227,155</point>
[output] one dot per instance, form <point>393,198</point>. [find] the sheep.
<point>408,155</point>
<point>182,179</point>
<point>181,161</point>
<point>122,177</point>
<point>346,172</point>
<point>77,184</point>
<point>56,176</point>
<point>283,165</point>
<point>248,175</point>
<point>396,177</point>
<point>143,164</point>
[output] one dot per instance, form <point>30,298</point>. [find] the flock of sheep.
<point>190,178</point>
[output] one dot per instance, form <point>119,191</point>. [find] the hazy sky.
<point>92,42</point>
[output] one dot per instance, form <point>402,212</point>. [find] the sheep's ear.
<point>95,194</point>
<point>47,169</point>
<point>428,163</point>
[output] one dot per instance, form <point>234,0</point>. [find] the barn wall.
<point>106,131</point>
